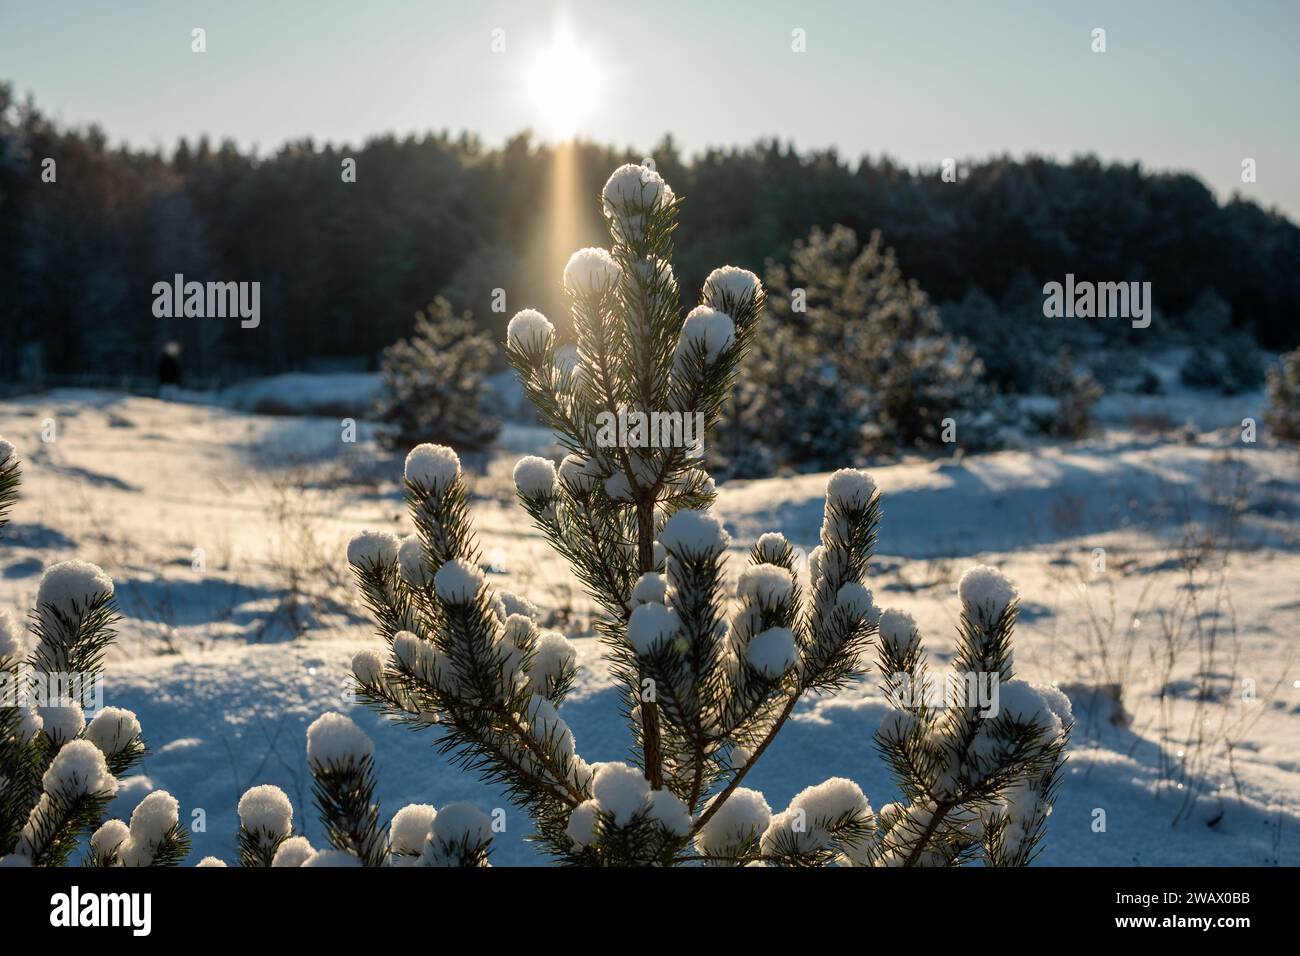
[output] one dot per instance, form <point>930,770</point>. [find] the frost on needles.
<point>706,682</point>
<point>58,770</point>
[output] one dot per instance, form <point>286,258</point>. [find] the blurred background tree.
<point>851,358</point>
<point>435,383</point>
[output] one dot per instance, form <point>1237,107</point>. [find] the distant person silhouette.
<point>169,365</point>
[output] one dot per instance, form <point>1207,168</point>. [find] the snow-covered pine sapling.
<point>58,772</point>
<point>705,691</point>
<point>341,757</point>
<point>979,762</point>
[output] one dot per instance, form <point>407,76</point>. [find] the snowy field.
<point>225,532</point>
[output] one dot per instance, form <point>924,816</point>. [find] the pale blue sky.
<point>1194,85</point>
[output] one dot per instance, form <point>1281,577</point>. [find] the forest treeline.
<point>344,266</point>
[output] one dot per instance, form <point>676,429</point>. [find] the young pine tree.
<point>1283,414</point>
<point>1074,391</point>
<point>58,772</point>
<point>434,383</point>
<point>852,358</point>
<point>706,683</point>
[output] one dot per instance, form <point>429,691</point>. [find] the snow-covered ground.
<point>225,533</point>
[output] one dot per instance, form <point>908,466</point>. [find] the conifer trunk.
<point>645,541</point>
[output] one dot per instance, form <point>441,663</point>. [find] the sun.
<point>564,84</point>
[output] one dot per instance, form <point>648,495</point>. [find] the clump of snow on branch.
<point>294,851</point>
<point>373,549</point>
<point>458,581</point>
<point>694,533</point>
<point>266,809</point>
<point>772,652</point>
<point>708,330</point>
<point>591,270</point>
<point>113,729</point>
<point>742,818</point>
<point>432,467</point>
<point>535,477</point>
<point>69,587</point>
<point>61,724</point>
<point>650,625</point>
<point>529,329</point>
<point>731,289</point>
<point>985,592</point>
<point>333,739</point>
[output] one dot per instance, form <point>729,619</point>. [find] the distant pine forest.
<point>343,266</point>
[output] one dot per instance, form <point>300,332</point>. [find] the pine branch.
<point>257,849</point>
<point>57,822</point>
<point>172,849</point>
<point>21,766</point>
<point>345,794</point>
<point>10,479</point>
<point>75,642</point>
<point>748,765</point>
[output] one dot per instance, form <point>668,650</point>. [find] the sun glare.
<point>564,83</point>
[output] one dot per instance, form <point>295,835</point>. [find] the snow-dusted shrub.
<point>1011,338</point>
<point>706,684</point>
<point>1283,414</point>
<point>435,383</point>
<point>1073,393</point>
<point>851,358</point>
<point>341,758</point>
<point>1236,367</point>
<point>1201,369</point>
<point>58,772</point>
<point>1243,365</point>
<point>1222,357</point>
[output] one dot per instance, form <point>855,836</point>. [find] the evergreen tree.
<point>705,686</point>
<point>1074,391</point>
<point>434,385</point>
<point>978,757</point>
<point>1243,366</point>
<point>1222,357</point>
<point>1012,338</point>
<point>1201,369</point>
<point>852,358</point>
<point>58,772</point>
<point>1283,415</point>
